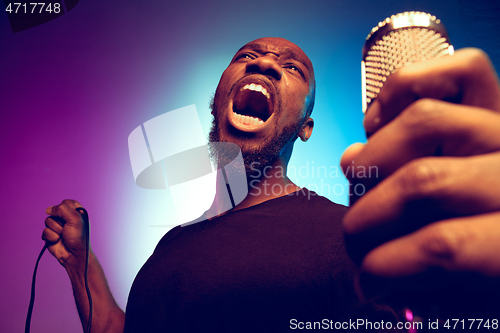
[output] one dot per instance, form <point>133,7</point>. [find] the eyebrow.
<point>287,52</point>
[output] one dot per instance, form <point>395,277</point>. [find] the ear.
<point>306,131</point>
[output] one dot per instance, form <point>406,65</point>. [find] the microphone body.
<point>398,41</point>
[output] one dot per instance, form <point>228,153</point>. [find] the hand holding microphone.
<point>433,211</point>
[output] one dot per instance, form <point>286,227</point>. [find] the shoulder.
<point>172,233</point>
<point>317,203</point>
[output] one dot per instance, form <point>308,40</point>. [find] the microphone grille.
<point>398,41</point>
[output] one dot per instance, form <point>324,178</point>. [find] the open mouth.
<point>252,107</point>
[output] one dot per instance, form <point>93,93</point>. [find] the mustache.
<point>269,80</point>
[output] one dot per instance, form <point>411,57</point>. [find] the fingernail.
<point>372,119</point>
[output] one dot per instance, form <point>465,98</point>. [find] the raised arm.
<point>66,237</point>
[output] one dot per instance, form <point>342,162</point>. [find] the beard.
<point>255,159</point>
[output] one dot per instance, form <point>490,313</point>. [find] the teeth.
<point>257,87</point>
<point>248,120</point>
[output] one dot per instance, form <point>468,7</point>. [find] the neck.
<point>272,183</point>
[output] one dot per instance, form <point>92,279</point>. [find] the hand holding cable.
<point>67,237</point>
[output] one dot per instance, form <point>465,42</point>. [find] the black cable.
<point>32,298</point>
<point>85,217</point>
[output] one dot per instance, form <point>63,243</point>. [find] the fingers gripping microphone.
<point>398,41</point>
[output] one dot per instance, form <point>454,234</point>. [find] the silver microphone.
<point>398,41</point>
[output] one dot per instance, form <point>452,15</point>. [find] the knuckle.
<point>403,74</point>
<point>68,208</point>
<point>421,115</point>
<point>68,202</point>
<point>55,224</point>
<point>400,78</point>
<point>442,245</point>
<point>49,235</point>
<point>408,76</point>
<point>477,59</point>
<point>424,178</point>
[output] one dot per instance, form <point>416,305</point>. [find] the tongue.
<point>251,103</point>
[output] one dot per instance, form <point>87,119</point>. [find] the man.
<point>279,255</point>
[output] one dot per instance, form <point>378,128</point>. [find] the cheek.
<point>222,92</point>
<point>224,80</point>
<point>286,80</point>
<point>221,89</point>
<point>289,118</point>
<point>302,94</point>
<point>296,103</point>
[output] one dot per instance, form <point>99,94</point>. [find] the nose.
<point>266,65</point>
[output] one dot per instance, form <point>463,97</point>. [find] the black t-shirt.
<point>260,269</point>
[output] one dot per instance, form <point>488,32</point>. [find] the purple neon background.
<point>73,89</point>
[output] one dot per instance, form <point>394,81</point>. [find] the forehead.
<point>280,46</point>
